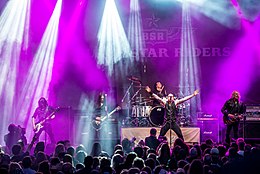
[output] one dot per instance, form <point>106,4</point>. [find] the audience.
<point>152,142</point>
<point>207,158</point>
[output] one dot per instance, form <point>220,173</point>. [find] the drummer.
<point>160,91</point>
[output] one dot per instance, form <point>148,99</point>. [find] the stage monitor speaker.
<point>209,130</point>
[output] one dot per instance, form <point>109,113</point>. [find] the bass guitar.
<point>98,121</point>
<point>40,124</point>
<point>231,118</point>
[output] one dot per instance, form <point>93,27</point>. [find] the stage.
<point>191,134</point>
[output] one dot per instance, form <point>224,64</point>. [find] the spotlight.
<point>14,23</point>
<point>112,41</point>
<point>40,72</point>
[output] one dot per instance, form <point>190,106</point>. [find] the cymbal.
<point>141,103</point>
<point>140,86</point>
<point>142,100</point>
<point>134,79</point>
<point>140,97</point>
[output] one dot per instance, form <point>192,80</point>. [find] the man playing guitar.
<point>100,108</point>
<point>41,119</point>
<point>233,111</point>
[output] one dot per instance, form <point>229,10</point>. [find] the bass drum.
<point>156,117</point>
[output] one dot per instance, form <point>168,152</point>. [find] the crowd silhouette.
<point>130,157</point>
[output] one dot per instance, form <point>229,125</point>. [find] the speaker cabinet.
<point>209,130</point>
<point>62,125</point>
<point>250,130</point>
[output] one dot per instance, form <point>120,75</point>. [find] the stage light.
<point>197,2</point>
<point>135,31</point>
<point>189,66</point>
<point>14,23</point>
<point>249,10</point>
<point>219,11</point>
<point>252,29</point>
<point>40,72</point>
<point>112,41</point>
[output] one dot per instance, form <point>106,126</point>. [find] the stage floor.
<point>191,134</point>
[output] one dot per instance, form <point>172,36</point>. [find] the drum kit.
<point>143,114</point>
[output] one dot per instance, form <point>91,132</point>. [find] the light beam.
<point>189,67</point>
<point>112,41</point>
<point>135,31</point>
<point>14,23</point>
<point>40,72</point>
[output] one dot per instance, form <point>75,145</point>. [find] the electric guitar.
<point>98,121</point>
<point>231,119</point>
<point>40,124</point>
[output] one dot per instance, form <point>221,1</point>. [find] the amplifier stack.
<point>252,113</point>
<point>250,126</point>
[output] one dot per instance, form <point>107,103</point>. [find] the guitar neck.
<point>109,115</point>
<point>49,116</point>
<point>112,112</point>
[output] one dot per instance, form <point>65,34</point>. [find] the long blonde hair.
<point>235,94</point>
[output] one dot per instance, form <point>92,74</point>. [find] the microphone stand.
<point>171,120</point>
<point>127,93</point>
<point>137,93</point>
<point>170,129</point>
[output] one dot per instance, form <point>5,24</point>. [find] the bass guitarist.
<point>233,111</point>
<point>41,119</point>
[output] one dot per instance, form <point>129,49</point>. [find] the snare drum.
<point>156,116</point>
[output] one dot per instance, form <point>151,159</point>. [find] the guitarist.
<point>100,111</point>
<point>233,111</point>
<point>41,114</point>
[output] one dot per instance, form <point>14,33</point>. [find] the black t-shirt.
<point>41,114</point>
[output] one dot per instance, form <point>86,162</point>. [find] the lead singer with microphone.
<point>170,108</point>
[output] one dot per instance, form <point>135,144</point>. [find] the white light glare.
<point>135,30</point>
<point>189,76</point>
<point>14,23</point>
<point>39,76</point>
<point>113,43</point>
<point>197,2</point>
